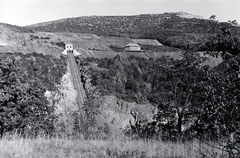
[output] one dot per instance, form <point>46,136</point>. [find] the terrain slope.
<point>181,30</point>
<point>105,37</point>
<point>90,45</point>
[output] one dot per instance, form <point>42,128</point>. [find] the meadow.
<point>15,146</point>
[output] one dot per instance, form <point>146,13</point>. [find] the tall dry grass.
<point>55,147</point>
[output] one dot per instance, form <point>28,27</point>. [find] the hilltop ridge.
<point>27,41</point>
<point>181,30</point>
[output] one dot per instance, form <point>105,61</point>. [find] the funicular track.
<point>76,79</point>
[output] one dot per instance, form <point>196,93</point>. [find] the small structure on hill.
<point>69,48</point>
<point>132,47</point>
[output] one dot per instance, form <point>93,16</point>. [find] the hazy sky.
<point>25,12</point>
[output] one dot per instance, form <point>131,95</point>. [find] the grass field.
<point>45,147</point>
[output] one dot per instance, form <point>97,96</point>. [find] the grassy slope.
<point>168,28</point>
<point>42,147</point>
<point>13,40</point>
<point>46,43</point>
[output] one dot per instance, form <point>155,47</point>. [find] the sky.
<point>26,12</point>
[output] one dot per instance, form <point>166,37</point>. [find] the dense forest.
<point>24,80</point>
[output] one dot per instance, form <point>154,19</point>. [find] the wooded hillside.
<point>169,29</point>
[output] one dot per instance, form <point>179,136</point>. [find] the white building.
<point>69,49</point>
<point>132,47</point>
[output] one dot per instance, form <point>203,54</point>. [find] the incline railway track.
<point>78,85</point>
<point>76,78</point>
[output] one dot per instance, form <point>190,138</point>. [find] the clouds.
<point>24,12</point>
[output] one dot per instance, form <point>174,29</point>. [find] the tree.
<point>218,100</point>
<point>23,107</point>
<point>213,17</point>
<point>175,91</point>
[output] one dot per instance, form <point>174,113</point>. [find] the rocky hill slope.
<point>90,45</point>
<point>180,30</point>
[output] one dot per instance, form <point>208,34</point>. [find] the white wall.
<point>68,47</point>
<point>132,48</point>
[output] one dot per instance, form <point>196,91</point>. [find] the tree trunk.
<point>179,123</point>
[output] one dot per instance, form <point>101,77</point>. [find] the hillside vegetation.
<point>171,29</point>
<point>89,45</point>
<point>23,82</point>
<point>16,28</point>
<point>162,94</point>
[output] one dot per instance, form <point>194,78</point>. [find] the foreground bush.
<point>23,81</point>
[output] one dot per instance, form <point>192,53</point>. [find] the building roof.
<point>152,42</point>
<point>132,45</point>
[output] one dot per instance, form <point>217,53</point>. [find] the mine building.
<point>69,49</point>
<point>132,47</point>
